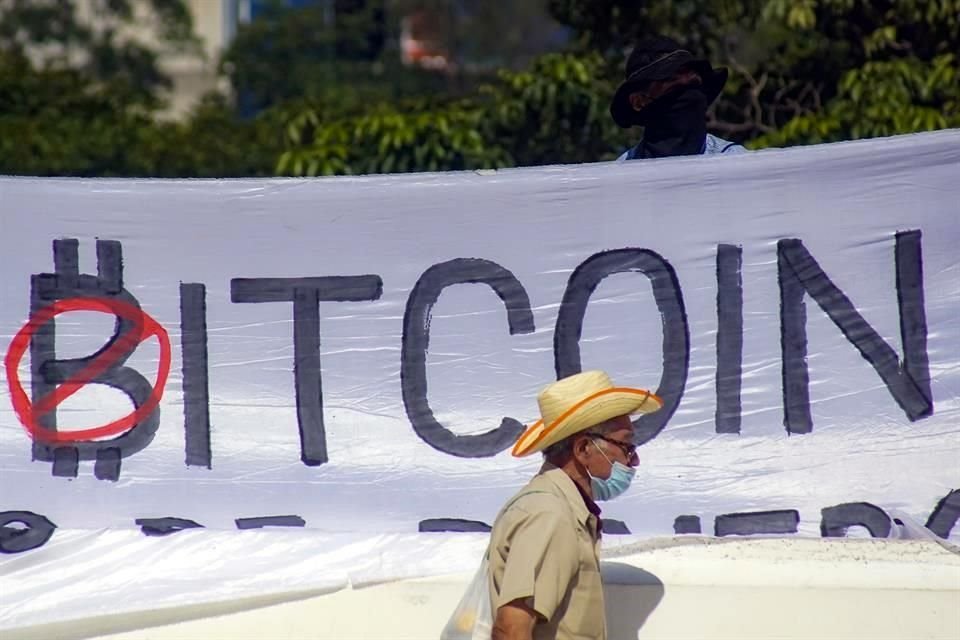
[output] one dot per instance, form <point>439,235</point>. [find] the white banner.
<point>356,355</point>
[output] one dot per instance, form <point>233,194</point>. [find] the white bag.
<point>472,619</point>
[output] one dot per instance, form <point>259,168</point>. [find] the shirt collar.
<point>592,506</point>
<point>583,506</point>
<point>632,151</point>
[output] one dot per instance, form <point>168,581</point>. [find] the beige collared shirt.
<point>544,549</point>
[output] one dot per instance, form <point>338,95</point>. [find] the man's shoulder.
<point>715,144</point>
<point>711,145</point>
<point>538,495</point>
<point>540,513</point>
<point>539,499</point>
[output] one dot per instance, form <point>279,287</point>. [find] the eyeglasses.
<point>629,449</point>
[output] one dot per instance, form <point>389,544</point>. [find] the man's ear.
<point>581,448</point>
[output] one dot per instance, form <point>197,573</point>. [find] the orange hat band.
<point>577,406</point>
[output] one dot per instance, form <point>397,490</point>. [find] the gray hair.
<point>561,448</point>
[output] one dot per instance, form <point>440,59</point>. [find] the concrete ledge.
<point>666,589</point>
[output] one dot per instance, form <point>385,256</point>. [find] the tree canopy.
<point>316,92</point>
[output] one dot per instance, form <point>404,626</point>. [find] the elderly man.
<point>667,91</point>
<point>544,565</point>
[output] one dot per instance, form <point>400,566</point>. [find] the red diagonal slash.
<point>144,328</point>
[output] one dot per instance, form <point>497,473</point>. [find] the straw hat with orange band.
<point>578,402</point>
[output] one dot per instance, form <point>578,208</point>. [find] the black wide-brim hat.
<point>641,70</point>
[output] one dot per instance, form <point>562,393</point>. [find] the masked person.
<point>667,91</point>
<point>544,568</point>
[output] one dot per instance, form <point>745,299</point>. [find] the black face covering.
<point>676,125</point>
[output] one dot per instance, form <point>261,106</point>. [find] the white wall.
<point>678,588</point>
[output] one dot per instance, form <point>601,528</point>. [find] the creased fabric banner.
<point>356,355</point>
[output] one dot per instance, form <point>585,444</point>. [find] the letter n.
<point>908,381</point>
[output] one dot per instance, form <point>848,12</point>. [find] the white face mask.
<point>619,481</point>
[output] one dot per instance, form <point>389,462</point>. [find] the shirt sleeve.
<point>734,148</point>
<point>541,556</point>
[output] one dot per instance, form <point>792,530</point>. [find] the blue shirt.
<point>711,145</point>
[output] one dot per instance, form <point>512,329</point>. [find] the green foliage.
<point>79,101</point>
<point>898,71</point>
<point>116,51</point>
<point>485,35</point>
<point>413,137</point>
<point>346,51</point>
<point>880,99</point>
<point>55,122</point>
<point>332,98</point>
<point>802,71</point>
<point>282,55</point>
<point>212,142</point>
<point>557,112</point>
<point>608,26</point>
<point>305,53</point>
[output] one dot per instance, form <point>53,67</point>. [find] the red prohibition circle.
<point>144,328</point>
